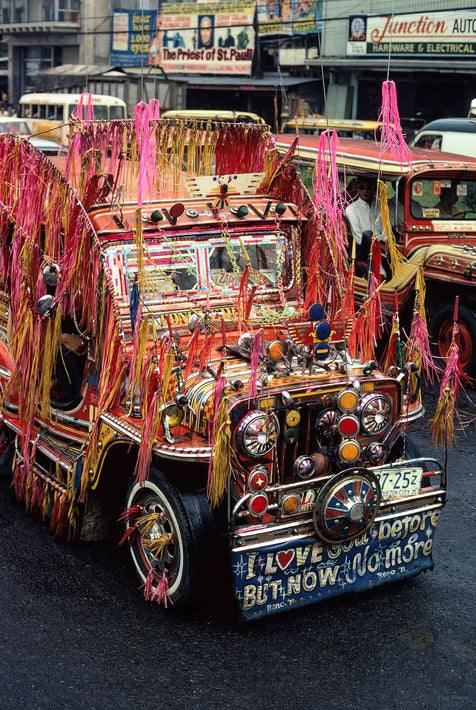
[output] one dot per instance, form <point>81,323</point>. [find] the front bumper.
<point>292,567</point>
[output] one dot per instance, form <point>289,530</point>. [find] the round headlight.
<point>375,412</point>
<point>257,433</point>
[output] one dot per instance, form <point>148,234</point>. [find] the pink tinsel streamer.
<point>161,594</point>
<point>391,136</point>
<point>419,341</point>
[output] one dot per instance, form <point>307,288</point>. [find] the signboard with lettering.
<point>205,37</point>
<point>132,33</point>
<point>445,34</point>
<point>271,579</point>
<point>288,17</point>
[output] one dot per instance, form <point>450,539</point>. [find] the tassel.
<point>391,136</point>
<point>442,427</point>
<point>219,442</point>
<point>148,434</point>
<point>148,586</point>
<point>129,534</point>
<point>396,258</point>
<point>157,546</point>
<point>254,364</point>
<point>130,514</point>
<point>161,594</point>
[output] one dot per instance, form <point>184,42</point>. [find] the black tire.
<point>188,518</point>
<point>7,443</point>
<point>440,331</point>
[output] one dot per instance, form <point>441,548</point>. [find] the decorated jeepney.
<point>161,363</point>
<point>432,211</point>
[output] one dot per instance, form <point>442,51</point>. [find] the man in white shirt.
<point>363,217</point>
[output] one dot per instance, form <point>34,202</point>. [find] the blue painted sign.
<point>288,575</point>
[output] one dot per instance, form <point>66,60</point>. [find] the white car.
<point>18,126</point>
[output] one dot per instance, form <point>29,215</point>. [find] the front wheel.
<point>441,329</point>
<point>173,533</point>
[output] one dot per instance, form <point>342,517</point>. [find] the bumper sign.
<point>268,580</point>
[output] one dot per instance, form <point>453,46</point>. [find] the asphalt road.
<point>77,633</point>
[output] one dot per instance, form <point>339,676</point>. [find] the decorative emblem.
<point>347,505</point>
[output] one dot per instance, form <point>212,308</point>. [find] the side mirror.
<point>50,275</point>
<point>44,305</point>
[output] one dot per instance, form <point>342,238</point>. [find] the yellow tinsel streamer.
<point>396,258</point>
<point>442,426</point>
<point>157,547</point>
<point>50,352</point>
<point>147,522</point>
<point>221,452</point>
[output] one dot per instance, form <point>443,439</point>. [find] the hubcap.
<point>463,341</point>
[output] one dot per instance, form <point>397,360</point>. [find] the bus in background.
<point>345,127</point>
<point>48,113</point>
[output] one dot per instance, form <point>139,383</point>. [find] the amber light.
<point>368,386</point>
<point>291,504</point>
<point>258,504</point>
<point>276,350</point>
<point>347,400</point>
<point>349,451</point>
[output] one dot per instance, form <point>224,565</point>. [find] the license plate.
<point>400,482</point>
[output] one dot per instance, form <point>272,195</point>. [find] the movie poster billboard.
<point>132,33</point>
<point>288,17</point>
<point>435,34</point>
<point>205,37</point>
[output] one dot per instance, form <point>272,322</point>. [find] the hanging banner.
<point>288,17</point>
<point>205,37</point>
<point>448,34</point>
<point>132,33</point>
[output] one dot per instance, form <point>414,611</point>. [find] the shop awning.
<point>268,82</point>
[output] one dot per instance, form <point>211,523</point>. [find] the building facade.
<point>274,57</point>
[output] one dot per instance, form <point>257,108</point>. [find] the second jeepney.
<point>152,302</point>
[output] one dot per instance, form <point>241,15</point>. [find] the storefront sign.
<point>288,17</point>
<point>132,33</point>
<point>448,34</point>
<point>205,37</point>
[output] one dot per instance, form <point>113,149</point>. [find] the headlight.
<point>257,433</point>
<point>375,412</point>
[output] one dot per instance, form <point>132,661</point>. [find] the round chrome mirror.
<point>196,322</point>
<point>44,305</point>
<point>50,274</point>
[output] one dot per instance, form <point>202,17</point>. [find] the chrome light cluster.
<point>257,434</point>
<point>375,411</point>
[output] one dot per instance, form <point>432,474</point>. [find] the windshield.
<point>443,198</point>
<point>215,265</point>
<point>13,126</point>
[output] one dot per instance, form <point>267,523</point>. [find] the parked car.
<point>451,135</point>
<point>19,127</point>
<point>173,375</point>
<point>441,240</point>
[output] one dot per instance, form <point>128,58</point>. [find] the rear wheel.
<point>441,329</point>
<point>7,451</point>
<point>183,522</point>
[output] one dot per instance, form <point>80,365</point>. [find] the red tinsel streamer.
<point>254,364</point>
<point>148,585</point>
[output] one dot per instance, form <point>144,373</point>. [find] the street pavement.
<point>77,633</point>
